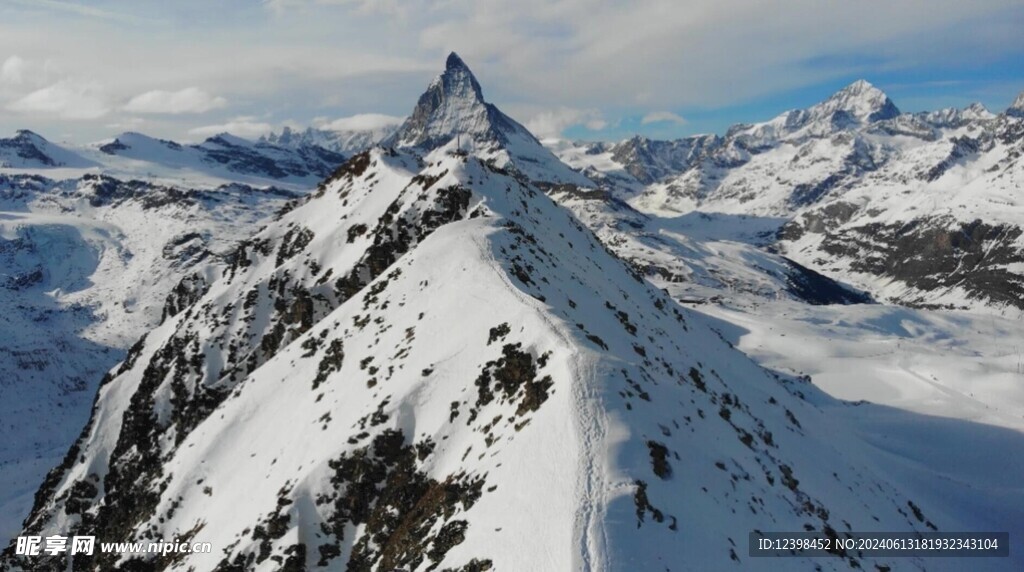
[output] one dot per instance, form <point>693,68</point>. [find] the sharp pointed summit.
<point>452,104</point>
<point>458,80</point>
<point>852,107</point>
<point>454,61</point>
<point>453,111</point>
<point>1016,109</point>
<point>860,102</point>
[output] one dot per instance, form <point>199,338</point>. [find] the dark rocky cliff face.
<point>453,106</point>
<point>927,254</point>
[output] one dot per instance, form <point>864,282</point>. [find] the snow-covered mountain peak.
<point>856,105</point>
<point>453,109</point>
<point>457,82</point>
<point>454,61</point>
<point>29,150</point>
<point>862,101</point>
<point>452,105</point>
<point>1016,108</point>
<point>977,110</point>
<point>287,137</point>
<point>28,135</point>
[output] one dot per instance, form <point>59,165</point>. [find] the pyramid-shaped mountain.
<point>453,113</point>
<point>861,102</point>
<point>856,105</point>
<point>429,365</point>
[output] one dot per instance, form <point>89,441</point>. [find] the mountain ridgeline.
<point>920,209</point>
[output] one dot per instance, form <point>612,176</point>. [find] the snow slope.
<point>703,257</point>
<point>957,365</point>
<point>86,267</point>
<point>93,240</point>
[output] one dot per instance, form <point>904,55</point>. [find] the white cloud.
<point>188,100</point>
<point>13,70</point>
<point>79,9</point>
<point>67,99</point>
<point>362,122</point>
<point>715,53</point>
<point>389,7</point>
<point>662,117</point>
<point>127,124</point>
<point>552,123</point>
<point>246,127</point>
<point>623,58</point>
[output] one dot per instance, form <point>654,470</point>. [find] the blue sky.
<point>83,71</point>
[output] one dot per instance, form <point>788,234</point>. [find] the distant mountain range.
<point>218,160</point>
<point>920,209</point>
<point>345,141</point>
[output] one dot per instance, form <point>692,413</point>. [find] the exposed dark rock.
<point>505,376</point>
<point>931,254</point>
<point>818,289</point>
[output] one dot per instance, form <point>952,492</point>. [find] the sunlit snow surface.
<point>961,374</point>
<point>82,277</point>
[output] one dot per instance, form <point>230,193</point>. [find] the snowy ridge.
<point>551,336</point>
<point>229,157</point>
